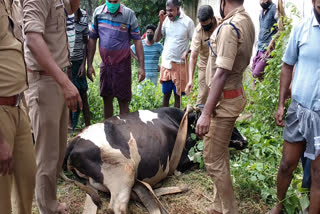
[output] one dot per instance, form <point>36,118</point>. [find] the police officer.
<point>199,46</point>
<point>231,47</point>
<point>50,92</point>
<point>17,159</point>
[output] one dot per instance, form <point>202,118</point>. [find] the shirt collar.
<point>315,22</point>
<point>105,10</point>
<point>234,12</point>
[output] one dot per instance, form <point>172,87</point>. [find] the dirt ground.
<point>194,201</point>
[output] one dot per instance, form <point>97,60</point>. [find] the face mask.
<point>222,10</point>
<point>150,37</point>
<point>316,14</point>
<point>178,15</point>
<point>113,7</point>
<point>207,27</point>
<point>265,5</point>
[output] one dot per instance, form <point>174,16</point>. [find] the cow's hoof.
<point>97,202</point>
<point>110,211</point>
<point>62,208</point>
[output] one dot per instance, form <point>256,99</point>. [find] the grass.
<point>194,201</point>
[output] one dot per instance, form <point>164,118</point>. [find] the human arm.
<point>140,54</point>
<point>158,34</point>
<point>134,55</point>
<point>285,81</point>
<point>192,67</point>
<point>215,92</point>
<point>74,5</point>
<point>6,159</point>
<point>290,58</point>
<point>195,49</point>
<point>91,51</point>
<point>82,70</point>
<point>133,52</point>
<point>41,53</point>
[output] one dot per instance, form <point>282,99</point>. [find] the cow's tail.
<point>68,152</point>
<point>87,188</point>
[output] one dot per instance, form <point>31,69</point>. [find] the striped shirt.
<point>114,32</point>
<point>152,54</point>
<point>76,32</point>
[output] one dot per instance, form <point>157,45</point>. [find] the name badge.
<point>123,27</point>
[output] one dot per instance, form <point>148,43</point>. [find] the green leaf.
<point>304,202</point>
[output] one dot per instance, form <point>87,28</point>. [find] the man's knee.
<point>316,176</point>
<point>287,166</point>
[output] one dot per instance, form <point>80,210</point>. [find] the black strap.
<point>234,27</point>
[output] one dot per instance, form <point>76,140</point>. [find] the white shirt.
<point>178,34</point>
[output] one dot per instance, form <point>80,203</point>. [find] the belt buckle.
<point>19,100</point>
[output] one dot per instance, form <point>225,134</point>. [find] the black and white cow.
<point>138,145</point>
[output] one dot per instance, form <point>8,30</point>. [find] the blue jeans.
<point>306,165</point>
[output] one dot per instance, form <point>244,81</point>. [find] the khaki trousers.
<point>16,190</point>
<point>49,118</point>
<point>216,153</point>
<point>203,88</point>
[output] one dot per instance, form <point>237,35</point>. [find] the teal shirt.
<point>151,56</point>
<point>304,51</point>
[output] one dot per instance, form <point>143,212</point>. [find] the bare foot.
<point>276,210</point>
<point>62,208</point>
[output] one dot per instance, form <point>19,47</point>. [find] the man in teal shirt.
<point>152,53</point>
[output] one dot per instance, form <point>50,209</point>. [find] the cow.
<point>134,146</point>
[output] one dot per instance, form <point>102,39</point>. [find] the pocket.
<point>17,30</point>
<point>3,23</point>
<point>120,33</point>
<point>57,16</point>
<point>32,95</point>
<point>231,107</point>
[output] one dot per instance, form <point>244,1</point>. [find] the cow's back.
<point>154,133</point>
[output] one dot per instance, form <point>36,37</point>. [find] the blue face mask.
<point>113,7</point>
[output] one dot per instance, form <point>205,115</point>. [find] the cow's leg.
<point>119,179</point>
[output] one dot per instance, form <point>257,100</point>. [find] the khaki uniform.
<point>199,44</point>
<point>47,107</point>
<point>232,52</point>
<point>14,121</point>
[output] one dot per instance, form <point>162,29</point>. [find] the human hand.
<point>162,16</point>
<point>82,71</point>
<point>6,159</point>
<point>185,56</point>
<point>91,72</point>
<point>203,125</point>
<point>278,116</point>
<point>71,95</point>
<point>189,87</point>
<point>141,74</point>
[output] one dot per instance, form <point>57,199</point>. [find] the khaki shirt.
<point>199,44</point>
<point>233,53</point>
<point>47,17</point>
<point>13,76</point>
